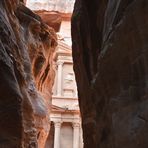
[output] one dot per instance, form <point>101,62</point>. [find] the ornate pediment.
<point>57,108</point>
<point>64,48</point>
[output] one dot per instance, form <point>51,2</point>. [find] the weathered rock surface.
<point>110,41</point>
<point>26,76</point>
<point>51,18</point>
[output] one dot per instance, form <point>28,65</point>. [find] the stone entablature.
<point>62,115</point>
<point>67,103</point>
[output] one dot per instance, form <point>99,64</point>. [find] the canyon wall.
<point>27,48</point>
<point>51,18</point>
<point>110,41</point>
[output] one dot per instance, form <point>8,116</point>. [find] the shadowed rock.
<point>51,18</point>
<point>110,40</point>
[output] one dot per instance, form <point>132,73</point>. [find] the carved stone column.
<point>59,78</point>
<point>76,128</point>
<point>57,126</point>
<point>81,138</point>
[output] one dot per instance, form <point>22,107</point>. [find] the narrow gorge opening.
<point>40,65</point>
<point>66,130</point>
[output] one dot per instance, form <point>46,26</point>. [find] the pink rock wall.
<point>26,71</point>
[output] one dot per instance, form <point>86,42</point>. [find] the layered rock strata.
<point>110,41</point>
<point>26,76</point>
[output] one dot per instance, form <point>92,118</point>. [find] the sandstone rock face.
<point>26,76</point>
<point>110,41</point>
<point>51,18</point>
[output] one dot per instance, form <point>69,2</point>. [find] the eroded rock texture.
<point>26,74</point>
<point>110,41</point>
<point>51,18</point>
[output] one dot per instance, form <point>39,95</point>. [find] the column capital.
<point>57,124</point>
<point>60,62</point>
<point>76,124</point>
